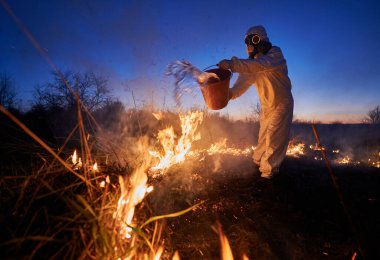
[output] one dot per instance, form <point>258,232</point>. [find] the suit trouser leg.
<point>277,139</point>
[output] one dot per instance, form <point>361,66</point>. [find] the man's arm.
<point>241,85</point>
<point>250,65</point>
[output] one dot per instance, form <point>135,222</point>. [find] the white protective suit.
<point>269,74</point>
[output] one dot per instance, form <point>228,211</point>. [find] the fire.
<point>102,184</point>
<point>221,148</point>
<point>375,161</point>
<point>225,248</point>
<point>77,161</point>
<point>176,256</point>
<point>316,147</point>
<point>345,160</point>
<point>176,149</point>
<point>133,192</point>
<point>295,150</point>
<point>158,253</point>
<point>95,167</point>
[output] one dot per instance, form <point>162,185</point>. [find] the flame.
<point>295,150</point>
<point>317,147</point>
<point>149,189</point>
<point>225,248</point>
<point>102,184</point>
<point>376,160</point>
<point>74,157</point>
<point>176,256</point>
<point>158,253</point>
<point>344,160</point>
<point>132,192</point>
<point>77,161</point>
<point>221,148</point>
<point>176,149</point>
<point>95,167</point>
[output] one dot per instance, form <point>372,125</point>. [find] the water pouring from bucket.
<point>214,83</point>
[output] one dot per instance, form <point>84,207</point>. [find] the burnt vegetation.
<point>48,213</point>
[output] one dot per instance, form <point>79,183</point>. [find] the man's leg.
<point>261,145</point>
<point>277,140</point>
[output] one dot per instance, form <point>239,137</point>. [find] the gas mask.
<point>255,45</point>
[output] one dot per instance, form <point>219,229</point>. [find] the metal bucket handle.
<point>216,65</point>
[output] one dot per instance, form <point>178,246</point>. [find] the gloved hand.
<point>224,64</point>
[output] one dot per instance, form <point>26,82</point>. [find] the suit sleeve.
<point>251,65</point>
<point>241,85</point>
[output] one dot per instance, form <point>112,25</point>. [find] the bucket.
<point>216,91</point>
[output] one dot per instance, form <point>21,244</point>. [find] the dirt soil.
<point>296,215</point>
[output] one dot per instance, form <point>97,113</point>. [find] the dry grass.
<point>63,210</point>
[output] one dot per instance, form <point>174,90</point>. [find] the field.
<point>194,171</point>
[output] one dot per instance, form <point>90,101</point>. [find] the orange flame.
<point>77,161</point>
<point>225,248</point>
<point>316,147</point>
<point>176,149</point>
<point>132,192</point>
<point>295,150</point>
<point>95,167</point>
<point>221,148</point>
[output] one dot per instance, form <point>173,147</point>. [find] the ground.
<point>297,215</point>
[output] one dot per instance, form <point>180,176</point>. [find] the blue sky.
<point>331,47</point>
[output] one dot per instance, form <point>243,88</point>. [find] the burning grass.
<point>169,192</point>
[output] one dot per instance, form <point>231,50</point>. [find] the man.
<point>266,69</point>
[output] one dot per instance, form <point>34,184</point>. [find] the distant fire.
<point>375,161</point>
<point>345,160</point>
<point>221,148</point>
<point>316,147</point>
<point>295,150</point>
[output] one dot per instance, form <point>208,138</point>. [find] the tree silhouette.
<point>91,89</point>
<point>7,91</point>
<point>373,116</point>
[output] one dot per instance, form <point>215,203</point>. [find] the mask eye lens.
<point>252,39</point>
<point>255,39</point>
